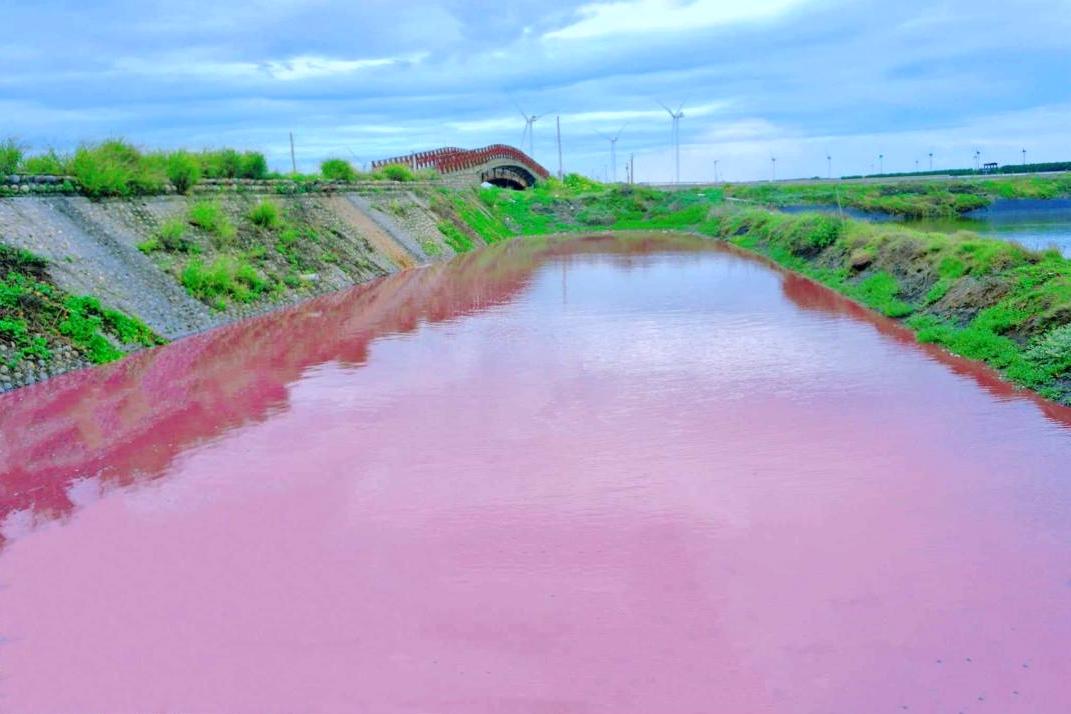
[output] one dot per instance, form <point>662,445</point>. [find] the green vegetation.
<point>183,170</point>
<point>933,198</point>
<point>231,164</point>
<point>266,215</point>
<point>10,157</point>
<point>47,164</point>
<point>115,168</point>
<point>35,315</point>
<point>225,277</point>
<point>338,170</point>
<point>209,217</point>
<point>980,298</point>
<point>455,237</point>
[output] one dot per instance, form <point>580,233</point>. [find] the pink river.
<point>615,475</point>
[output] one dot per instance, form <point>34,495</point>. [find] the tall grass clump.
<point>266,215</point>
<point>47,164</point>
<point>338,170</point>
<point>230,164</point>
<point>394,172</point>
<point>209,217</point>
<point>222,279</point>
<point>116,168</point>
<point>183,170</point>
<point>10,156</point>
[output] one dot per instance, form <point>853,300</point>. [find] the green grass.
<point>338,170</point>
<point>47,164</point>
<point>115,168</point>
<point>183,170</point>
<point>455,237</point>
<point>10,156</point>
<point>225,278</point>
<point>35,314</point>
<point>919,198</point>
<point>209,217</point>
<point>394,172</point>
<point>266,215</point>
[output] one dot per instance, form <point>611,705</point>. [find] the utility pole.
<point>293,161</point>
<point>558,121</point>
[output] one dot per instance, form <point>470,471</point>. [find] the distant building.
<point>990,168</point>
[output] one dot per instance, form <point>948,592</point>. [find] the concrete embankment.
<point>183,264</point>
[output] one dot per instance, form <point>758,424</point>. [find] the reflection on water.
<point>1035,224</point>
<point>599,475</point>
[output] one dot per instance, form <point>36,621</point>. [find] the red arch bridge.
<point>497,164</point>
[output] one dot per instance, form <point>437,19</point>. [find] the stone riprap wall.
<point>92,248</point>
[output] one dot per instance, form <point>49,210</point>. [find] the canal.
<point>606,474</point>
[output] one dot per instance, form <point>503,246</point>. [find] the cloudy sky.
<point>364,79</point>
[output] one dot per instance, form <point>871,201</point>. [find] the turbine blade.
<point>519,108</point>
<point>670,111</point>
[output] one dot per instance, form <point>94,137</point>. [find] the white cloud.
<point>291,69</point>
<point>599,19</point>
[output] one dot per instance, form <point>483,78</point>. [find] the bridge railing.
<point>452,159</point>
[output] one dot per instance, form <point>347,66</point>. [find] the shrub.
<point>209,216</point>
<point>183,170</point>
<point>266,215</point>
<point>10,156</point>
<point>338,170</point>
<point>149,245</point>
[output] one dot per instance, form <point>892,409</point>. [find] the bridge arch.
<point>498,164</point>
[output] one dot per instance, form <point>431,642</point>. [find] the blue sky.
<point>793,79</point>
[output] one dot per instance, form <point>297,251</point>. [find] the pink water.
<point>610,475</point>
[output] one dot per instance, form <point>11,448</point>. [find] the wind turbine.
<point>829,166</point>
<point>613,150</point>
<point>676,116</point>
<point>529,128</point>
<point>931,160</point>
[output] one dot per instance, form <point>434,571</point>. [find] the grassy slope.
<point>978,297</point>
<point>36,316</point>
<point>924,198</point>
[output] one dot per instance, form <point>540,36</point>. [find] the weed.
<point>10,156</point>
<point>266,215</point>
<point>183,170</point>
<point>209,217</point>
<point>338,170</point>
